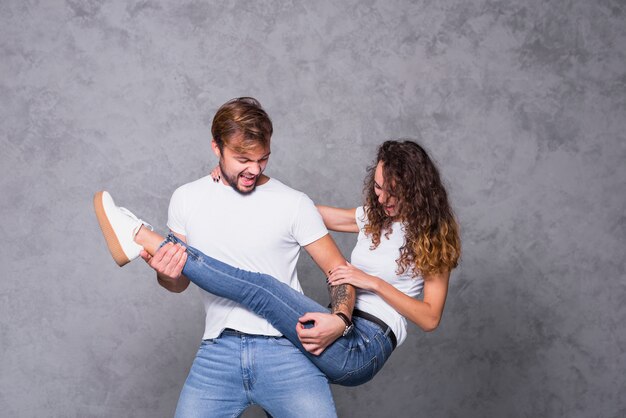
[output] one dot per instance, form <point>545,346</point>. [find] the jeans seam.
<point>196,257</point>
<point>382,339</point>
<point>355,371</point>
<point>252,284</point>
<point>238,414</point>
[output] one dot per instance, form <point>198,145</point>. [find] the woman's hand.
<point>351,275</point>
<point>216,173</point>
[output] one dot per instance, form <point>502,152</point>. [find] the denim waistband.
<point>237,333</point>
<point>231,331</point>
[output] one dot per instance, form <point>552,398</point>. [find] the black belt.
<point>381,324</point>
<point>232,331</point>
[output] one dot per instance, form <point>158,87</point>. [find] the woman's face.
<point>381,188</point>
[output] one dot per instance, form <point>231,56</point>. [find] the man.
<point>255,223</point>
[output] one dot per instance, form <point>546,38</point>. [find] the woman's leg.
<point>150,241</point>
<point>261,293</point>
<point>349,361</point>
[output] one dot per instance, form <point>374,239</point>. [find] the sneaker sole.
<point>115,248</point>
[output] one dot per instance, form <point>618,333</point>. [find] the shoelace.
<point>133,217</point>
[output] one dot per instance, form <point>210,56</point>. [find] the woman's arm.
<point>425,313</point>
<point>337,219</point>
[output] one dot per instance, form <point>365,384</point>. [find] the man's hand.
<point>326,329</point>
<point>168,262</point>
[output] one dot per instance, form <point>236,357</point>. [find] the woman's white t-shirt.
<point>382,262</point>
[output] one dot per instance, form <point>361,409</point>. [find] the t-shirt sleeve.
<point>359,215</point>
<point>307,226</point>
<point>176,214</point>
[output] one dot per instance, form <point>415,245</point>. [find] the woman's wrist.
<point>376,284</point>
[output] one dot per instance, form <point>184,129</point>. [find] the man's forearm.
<point>342,299</point>
<point>325,253</point>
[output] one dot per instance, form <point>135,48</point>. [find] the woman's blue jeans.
<point>349,361</point>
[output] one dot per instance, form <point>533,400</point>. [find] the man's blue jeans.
<point>237,370</point>
<point>350,360</point>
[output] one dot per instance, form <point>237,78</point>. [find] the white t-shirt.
<point>260,232</point>
<point>382,263</point>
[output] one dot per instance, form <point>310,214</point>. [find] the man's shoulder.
<point>195,185</point>
<point>277,186</point>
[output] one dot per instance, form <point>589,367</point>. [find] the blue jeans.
<point>349,361</point>
<point>237,370</point>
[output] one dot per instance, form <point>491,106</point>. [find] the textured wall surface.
<point>522,104</point>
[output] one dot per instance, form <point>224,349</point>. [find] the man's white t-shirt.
<point>260,232</point>
<point>382,262</point>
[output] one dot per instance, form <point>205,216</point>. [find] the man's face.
<point>242,170</point>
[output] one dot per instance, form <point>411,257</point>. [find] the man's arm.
<point>168,262</point>
<point>327,256</point>
<point>327,327</point>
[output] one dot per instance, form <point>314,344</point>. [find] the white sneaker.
<point>119,227</point>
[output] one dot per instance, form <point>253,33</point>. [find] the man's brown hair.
<point>244,116</point>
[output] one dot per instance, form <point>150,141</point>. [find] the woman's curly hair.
<point>432,242</point>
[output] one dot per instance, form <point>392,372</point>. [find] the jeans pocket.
<point>358,341</point>
<point>282,341</point>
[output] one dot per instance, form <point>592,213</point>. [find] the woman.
<point>408,242</point>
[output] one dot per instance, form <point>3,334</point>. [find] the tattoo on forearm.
<point>341,298</point>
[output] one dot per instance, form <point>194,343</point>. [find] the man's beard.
<point>233,181</point>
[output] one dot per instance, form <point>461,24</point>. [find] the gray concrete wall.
<point>522,103</point>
